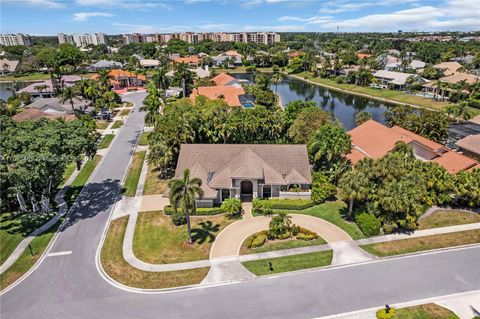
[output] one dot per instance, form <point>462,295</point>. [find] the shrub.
<point>382,313</point>
<point>179,219</point>
<point>302,236</point>
<point>259,241</point>
<point>204,211</point>
<point>307,232</point>
<point>322,189</point>
<point>232,206</point>
<point>168,210</point>
<point>368,224</point>
<point>262,207</point>
<point>249,240</point>
<point>290,204</point>
<point>389,226</point>
<point>284,235</point>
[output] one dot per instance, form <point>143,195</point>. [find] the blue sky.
<point>48,17</point>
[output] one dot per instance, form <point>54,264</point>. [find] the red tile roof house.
<point>192,61</point>
<point>374,140</point>
<point>246,170</point>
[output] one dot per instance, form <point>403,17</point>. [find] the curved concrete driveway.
<point>229,241</point>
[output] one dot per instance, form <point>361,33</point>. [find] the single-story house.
<point>225,79</point>
<point>124,79</point>
<point>221,59</point>
<point>199,72</point>
<point>191,61</point>
<point>8,66</point>
<point>470,145</point>
<point>351,68</point>
<point>35,114</point>
<point>45,88</point>
<point>232,95</point>
<point>397,80</point>
<point>149,63</point>
<point>417,64</point>
<point>452,79</point>
<point>104,65</point>
<point>246,171</point>
<point>448,68</point>
<point>54,106</point>
<point>374,140</point>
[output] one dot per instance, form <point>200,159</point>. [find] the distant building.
<point>15,39</point>
<point>46,89</point>
<point>65,38</point>
<point>82,40</point>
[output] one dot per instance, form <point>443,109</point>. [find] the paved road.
<point>69,286</point>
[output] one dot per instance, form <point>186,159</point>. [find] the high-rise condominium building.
<point>193,37</point>
<point>15,39</point>
<point>82,40</point>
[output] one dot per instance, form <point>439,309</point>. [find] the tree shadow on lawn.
<point>205,232</point>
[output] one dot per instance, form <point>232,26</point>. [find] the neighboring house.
<point>396,80</point>
<point>199,72</point>
<point>453,79</point>
<point>45,88</point>
<point>448,68</point>
<point>232,95</point>
<point>123,79</point>
<point>8,66</point>
<point>351,68</point>
<point>362,56</point>
<point>104,65</point>
<point>294,54</point>
<point>417,64</point>
<point>191,61</point>
<point>54,106</point>
<point>246,171</point>
<point>464,59</point>
<point>149,63</point>
<point>374,140</point>
<point>470,145</point>
<point>231,60</point>
<point>34,114</point>
<point>225,79</point>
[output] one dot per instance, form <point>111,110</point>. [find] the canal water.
<point>343,106</point>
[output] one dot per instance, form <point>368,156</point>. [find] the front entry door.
<point>246,189</point>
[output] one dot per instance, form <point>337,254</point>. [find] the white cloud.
<point>339,6</point>
<point>84,16</point>
<point>308,20</point>
<point>124,4</point>
<point>49,4</point>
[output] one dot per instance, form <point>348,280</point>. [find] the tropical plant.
<point>231,206</point>
<point>280,226</point>
<point>328,145</point>
<point>183,193</point>
<point>362,117</point>
<point>352,186</point>
<point>68,94</point>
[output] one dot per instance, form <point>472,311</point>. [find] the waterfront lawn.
<point>443,218</point>
<point>105,142</point>
<point>279,245</point>
<point>393,95</point>
<point>158,241</point>
<point>410,245</point>
<point>333,212</point>
<point>143,138</point>
<point>26,260</point>
<point>10,234</point>
<point>119,270</point>
<point>72,193</point>
<point>131,182</point>
<point>101,125</point>
<point>117,124</point>
<point>36,76</point>
<point>153,184</point>
<point>289,263</point>
<point>427,311</point>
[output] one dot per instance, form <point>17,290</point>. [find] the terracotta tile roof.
<point>355,155</point>
<point>363,56</point>
<point>294,54</point>
<point>434,146</point>
<point>35,114</point>
<point>217,164</point>
<point>118,74</point>
<point>458,77</point>
<point>470,143</point>
<point>229,93</point>
<point>223,79</point>
<point>188,60</point>
<point>455,162</point>
<point>448,67</point>
<point>474,167</point>
<point>233,53</point>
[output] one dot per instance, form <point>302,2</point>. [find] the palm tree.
<point>104,78</point>
<point>40,88</point>
<point>184,191</point>
<point>183,73</point>
<point>162,81</point>
<point>353,185</point>
<point>231,206</point>
<point>276,78</point>
<point>67,95</point>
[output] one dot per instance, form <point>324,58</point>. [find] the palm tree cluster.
<point>395,188</point>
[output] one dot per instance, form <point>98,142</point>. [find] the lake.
<point>343,106</point>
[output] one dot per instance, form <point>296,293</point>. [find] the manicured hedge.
<point>286,204</point>
<point>168,210</point>
<point>368,224</point>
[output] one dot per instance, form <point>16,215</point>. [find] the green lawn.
<point>392,95</point>
<point>410,245</point>
<point>290,263</point>
<point>144,138</point>
<point>333,212</point>
<point>427,311</point>
<point>81,179</point>
<point>279,245</point>
<point>26,260</point>
<point>118,269</point>
<point>124,112</point>
<point>37,76</point>
<point>105,142</point>
<point>69,171</point>
<point>10,235</point>
<point>157,240</point>
<point>117,124</point>
<point>131,182</point>
<point>101,125</point>
<point>443,218</point>
<point>153,183</point>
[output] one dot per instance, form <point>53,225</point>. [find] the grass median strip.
<point>124,112</point>
<point>143,138</point>
<point>411,245</point>
<point>117,124</point>
<point>118,269</point>
<point>26,260</point>
<point>105,142</point>
<point>134,171</point>
<point>289,263</point>
<point>153,183</point>
<point>443,218</point>
<point>72,193</point>
<point>101,125</point>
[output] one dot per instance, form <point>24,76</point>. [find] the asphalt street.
<point>69,286</point>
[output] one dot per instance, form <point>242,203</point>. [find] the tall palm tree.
<point>353,185</point>
<point>183,73</point>
<point>162,81</point>
<point>67,95</point>
<point>184,191</point>
<point>104,78</point>
<point>276,79</point>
